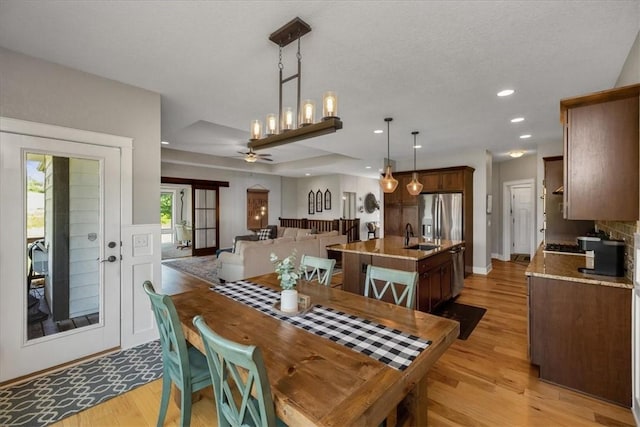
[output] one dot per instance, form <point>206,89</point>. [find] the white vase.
<point>289,300</point>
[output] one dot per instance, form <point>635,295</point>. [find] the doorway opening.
<point>175,221</point>
<point>518,225</point>
<point>197,210</point>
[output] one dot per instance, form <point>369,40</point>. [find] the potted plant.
<point>288,274</point>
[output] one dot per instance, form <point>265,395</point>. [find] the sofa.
<point>252,258</point>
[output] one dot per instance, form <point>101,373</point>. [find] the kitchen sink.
<point>423,247</point>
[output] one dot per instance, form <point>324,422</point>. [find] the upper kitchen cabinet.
<point>601,155</point>
<point>447,179</point>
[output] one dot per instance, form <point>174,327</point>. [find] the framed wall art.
<point>311,198</point>
<point>319,201</point>
<point>327,200</point>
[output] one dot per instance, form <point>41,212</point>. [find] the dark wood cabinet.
<point>431,181</point>
<point>407,199</point>
<point>580,336</point>
<point>434,276</point>
<point>449,179</point>
<point>393,219</point>
<point>601,155</point>
<point>434,281</point>
<point>556,228</point>
<point>401,208</point>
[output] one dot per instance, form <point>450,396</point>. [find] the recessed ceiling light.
<point>164,142</point>
<point>516,154</point>
<point>517,120</point>
<point>307,174</point>
<point>417,146</point>
<point>506,92</point>
<point>367,167</point>
<point>525,136</point>
<point>378,131</point>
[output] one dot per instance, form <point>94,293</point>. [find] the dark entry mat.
<point>467,315</point>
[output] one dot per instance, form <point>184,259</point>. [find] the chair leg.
<point>164,401</point>
<point>185,407</point>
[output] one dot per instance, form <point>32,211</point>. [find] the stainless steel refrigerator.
<point>441,218</point>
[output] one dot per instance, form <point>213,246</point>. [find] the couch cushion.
<point>264,234</point>
<point>305,237</point>
<point>303,232</point>
<point>283,240</point>
<point>290,232</point>
<point>274,231</point>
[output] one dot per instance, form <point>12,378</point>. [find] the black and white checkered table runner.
<point>391,346</point>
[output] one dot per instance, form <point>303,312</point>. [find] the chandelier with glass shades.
<point>286,127</point>
<point>415,186</point>
<point>388,183</point>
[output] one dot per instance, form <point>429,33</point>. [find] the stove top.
<point>563,249</point>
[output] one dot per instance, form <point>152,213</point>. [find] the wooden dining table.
<point>314,380</point>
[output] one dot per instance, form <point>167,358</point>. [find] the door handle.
<point>112,258</point>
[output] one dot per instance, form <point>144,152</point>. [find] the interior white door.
<point>87,262</point>
<point>521,217</point>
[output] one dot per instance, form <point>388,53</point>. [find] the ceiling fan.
<point>251,156</point>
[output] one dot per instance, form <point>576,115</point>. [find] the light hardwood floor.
<point>484,381</point>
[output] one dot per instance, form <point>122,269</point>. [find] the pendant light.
<point>388,183</point>
<point>414,187</point>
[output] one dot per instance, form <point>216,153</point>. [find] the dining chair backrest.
<point>172,341</point>
<point>322,268</point>
<point>236,370</point>
<point>401,284</point>
<point>184,366</point>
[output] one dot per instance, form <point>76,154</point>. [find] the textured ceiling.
<point>434,66</point>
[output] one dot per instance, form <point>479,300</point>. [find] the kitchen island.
<point>580,326</point>
<point>433,260</point>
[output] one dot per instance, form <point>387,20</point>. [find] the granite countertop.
<point>394,247</point>
<point>565,267</point>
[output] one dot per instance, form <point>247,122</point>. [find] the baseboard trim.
<point>499,257</point>
<point>483,270</point>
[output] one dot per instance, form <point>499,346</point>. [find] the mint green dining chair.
<point>322,268</point>
<point>401,284</point>
<point>236,370</point>
<point>183,365</point>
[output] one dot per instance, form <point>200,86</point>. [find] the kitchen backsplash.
<point>621,231</point>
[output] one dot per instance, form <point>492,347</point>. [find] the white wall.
<point>315,183</point>
<point>41,91</point>
<point>510,170</point>
<point>361,187</point>
<point>296,207</point>
<point>480,160</point>
<point>233,200</point>
<point>630,73</point>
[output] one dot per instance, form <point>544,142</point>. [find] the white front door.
<point>66,195</point>
<point>521,217</point>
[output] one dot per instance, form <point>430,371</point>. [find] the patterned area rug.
<point>202,267</point>
<point>46,400</point>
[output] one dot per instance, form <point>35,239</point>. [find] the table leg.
<point>413,408</point>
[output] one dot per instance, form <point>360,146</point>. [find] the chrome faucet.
<point>408,233</point>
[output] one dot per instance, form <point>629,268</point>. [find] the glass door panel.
<point>205,221</point>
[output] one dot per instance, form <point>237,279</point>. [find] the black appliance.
<point>608,255</point>
<point>563,248</point>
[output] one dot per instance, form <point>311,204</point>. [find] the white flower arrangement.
<point>287,271</point>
